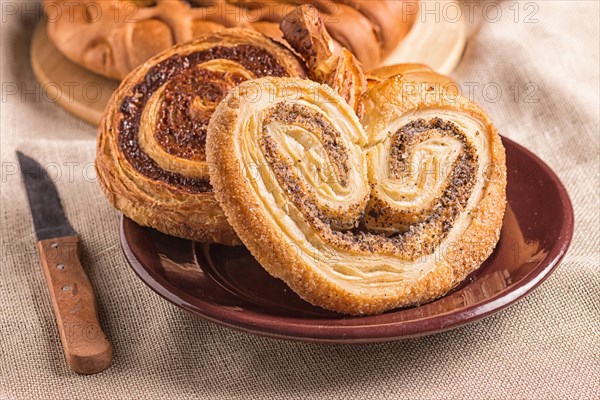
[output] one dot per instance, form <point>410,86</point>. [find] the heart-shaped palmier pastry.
<point>359,216</point>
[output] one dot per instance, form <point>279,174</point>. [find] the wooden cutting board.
<point>436,39</point>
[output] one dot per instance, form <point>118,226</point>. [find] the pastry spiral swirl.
<point>151,158</point>
<point>113,37</point>
<point>359,216</point>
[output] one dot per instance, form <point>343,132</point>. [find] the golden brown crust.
<point>304,30</point>
<point>411,72</point>
<point>113,37</point>
<point>348,79</point>
<point>351,273</point>
<point>150,155</point>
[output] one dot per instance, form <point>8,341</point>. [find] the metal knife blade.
<point>48,215</point>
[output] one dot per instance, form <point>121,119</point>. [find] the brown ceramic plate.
<point>227,286</point>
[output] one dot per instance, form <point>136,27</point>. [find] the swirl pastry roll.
<point>356,216</point>
<point>151,157</point>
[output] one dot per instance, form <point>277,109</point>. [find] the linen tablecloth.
<point>537,73</point>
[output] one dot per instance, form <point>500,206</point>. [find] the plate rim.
<point>291,328</point>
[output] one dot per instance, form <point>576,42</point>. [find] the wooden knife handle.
<point>86,347</point>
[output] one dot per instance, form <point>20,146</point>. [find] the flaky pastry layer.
<point>356,216</point>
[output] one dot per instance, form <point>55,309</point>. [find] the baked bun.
<point>111,38</point>
<point>151,158</point>
<point>355,216</point>
<point>412,73</point>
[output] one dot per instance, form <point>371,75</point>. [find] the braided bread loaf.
<point>113,37</point>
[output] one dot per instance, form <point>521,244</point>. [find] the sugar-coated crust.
<point>111,38</point>
<point>154,203</point>
<point>280,259</point>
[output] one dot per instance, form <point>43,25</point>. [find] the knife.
<point>85,345</point>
